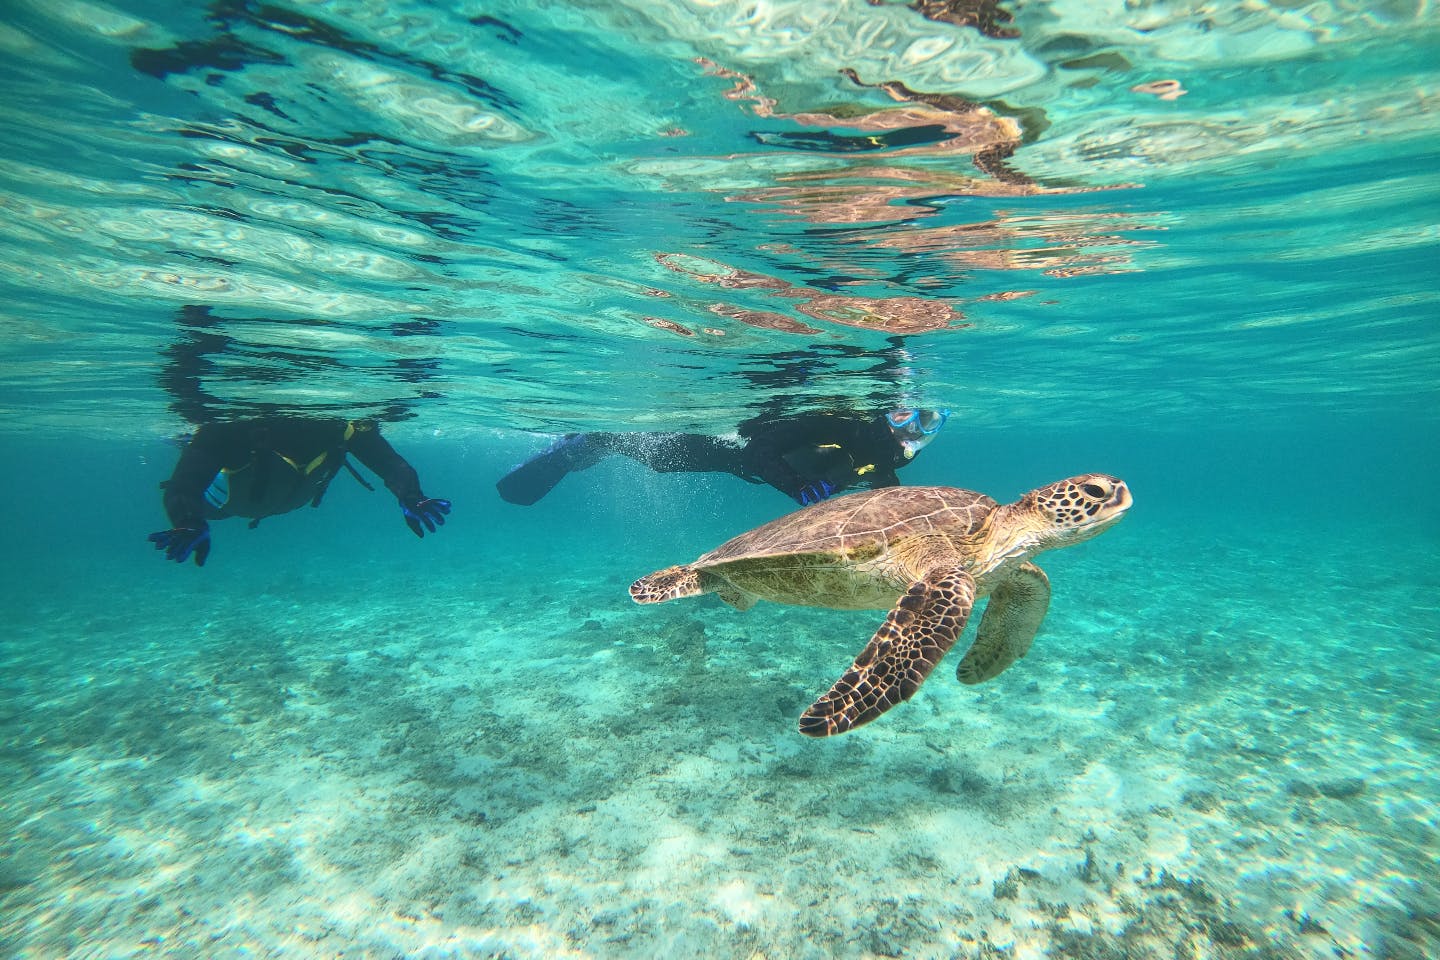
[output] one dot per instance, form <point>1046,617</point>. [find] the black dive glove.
<point>180,542</point>
<point>430,512</point>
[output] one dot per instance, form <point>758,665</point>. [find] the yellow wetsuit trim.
<point>309,468</point>
<point>314,465</point>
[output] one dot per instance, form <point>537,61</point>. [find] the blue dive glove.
<point>814,492</point>
<point>430,512</point>
<point>179,543</point>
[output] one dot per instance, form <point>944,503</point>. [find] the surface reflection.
<point>212,369</point>
<point>901,314</point>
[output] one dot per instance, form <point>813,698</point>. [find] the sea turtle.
<point>938,548</point>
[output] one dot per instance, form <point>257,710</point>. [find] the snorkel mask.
<point>913,429</point>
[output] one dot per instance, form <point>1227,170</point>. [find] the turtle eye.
<point>1095,491</point>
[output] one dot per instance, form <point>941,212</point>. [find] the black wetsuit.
<point>276,465</point>
<point>788,453</point>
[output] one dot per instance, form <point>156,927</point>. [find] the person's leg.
<point>677,452</point>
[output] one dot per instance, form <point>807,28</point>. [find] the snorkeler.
<point>807,457</point>
<point>263,468</point>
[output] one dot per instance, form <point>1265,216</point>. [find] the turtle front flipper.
<point>922,626</point>
<point>672,583</point>
<point>1008,625</point>
<point>737,598</point>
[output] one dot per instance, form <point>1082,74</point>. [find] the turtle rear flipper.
<point>924,624</point>
<point>1008,626</point>
<point>672,583</point>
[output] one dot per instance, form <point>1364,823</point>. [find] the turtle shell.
<point>858,525</point>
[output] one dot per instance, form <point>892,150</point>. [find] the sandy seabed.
<point>1217,748</point>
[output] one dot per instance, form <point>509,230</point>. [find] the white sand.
<point>1215,749</point>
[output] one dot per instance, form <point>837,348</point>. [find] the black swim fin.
<point>534,478</point>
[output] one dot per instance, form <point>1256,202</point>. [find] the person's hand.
<point>430,512</point>
<point>180,542</point>
<point>814,492</point>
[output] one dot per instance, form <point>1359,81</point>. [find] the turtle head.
<point>1078,508</point>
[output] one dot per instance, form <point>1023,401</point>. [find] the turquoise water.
<point>488,224</point>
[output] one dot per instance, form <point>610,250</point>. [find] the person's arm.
<point>201,459</point>
<point>375,452</point>
<point>874,447</point>
<point>213,447</point>
<point>807,458</point>
<point>774,471</point>
<point>881,477</point>
<point>764,455</point>
<point>422,513</point>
